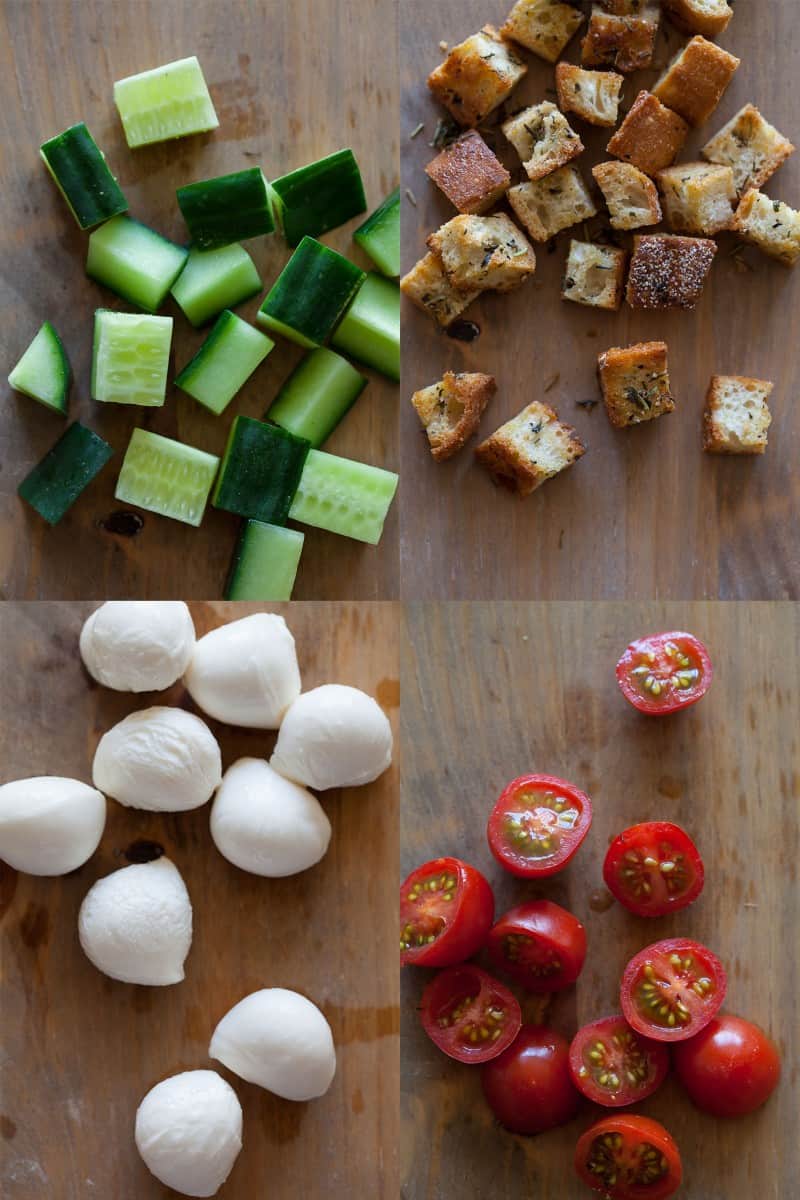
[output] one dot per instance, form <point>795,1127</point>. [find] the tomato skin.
<point>700,1008</point>
<point>567,840</point>
<point>665,891</point>
<point>466,926</point>
<point>650,1056</point>
<point>730,1068</point>
<point>633,1130</point>
<point>528,1087</point>
<point>488,995</point>
<point>652,651</point>
<point>551,930</point>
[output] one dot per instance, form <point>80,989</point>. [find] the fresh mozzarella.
<point>49,825</point>
<point>138,645</point>
<point>333,736</point>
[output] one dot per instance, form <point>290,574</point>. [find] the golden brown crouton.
<point>770,225</point>
<point>695,80</point>
<point>634,381</point>
<point>594,275</point>
<point>626,8</point>
<point>650,136</point>
<point>668,271</point>
<point>427,286</point>
<point>530,449</point>
<point>623,42</point>
<point>631,197</point>
<point>481,253</point>
<point>736,416</point>
<point>548,205</point>
<point>709,17</point>
<point>451,409</point>
<point>471,177</point>
<point>477,76</point>
<point>698,197</point>
<point>750,146</point>
<point>543,26</point>
<point>592,95</point>
<point>542,137</point>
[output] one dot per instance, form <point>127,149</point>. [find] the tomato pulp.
<point>614,1065</point>
<point>672,989</point>
<point>446,912</point>
<point>538,824</point>
<point>628,1157</point>
<point>528,1087</point>
<point>730,1068</point>
<point>469,1015</point>
<point>540,945</point>
<point>664,672</point>
<point>653,868</point>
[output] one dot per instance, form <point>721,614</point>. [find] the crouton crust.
<point>591,95</point>
<point>650,136</point>
<point>477,76</point>
<point>695,80</point>
<point>709,17</point>
<point>626,43</point>
<point>736,415</point>
<point>668,271</point>
<point>631,196</point>
<point>750,146</point>
<point>770,225</point>
<point>543,26</point>
<point>427,286</point>
<point>451,410</point>
<point>634,381</point>
<point>530,449</point>
<point>472,178</point>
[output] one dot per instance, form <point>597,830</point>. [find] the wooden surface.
<point>291,83</point>
<point>645,513</point>
<point>494,691</point>
<point>80,1050</point>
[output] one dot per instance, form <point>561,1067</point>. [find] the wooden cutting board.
<point>80,1050</point>
<point>494,691</point>
<point>645,513</point>
<point>290,83</point>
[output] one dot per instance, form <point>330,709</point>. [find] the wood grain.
<point>290,82</point>
<point>80,1050</point>
<point>645,513</point>
<point>491,691</point>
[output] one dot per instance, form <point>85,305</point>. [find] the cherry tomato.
<point>469,1015</point>
<point>613,1065</point>
<point>730,1068</point>
<point>537,825</point>
<point>540,945</point>
<point>672,989</point>
<point>664,672</point>
<point>528,1086</point>
<point>627,1157</point>
<point>446,911</point>
<point>653,869</point>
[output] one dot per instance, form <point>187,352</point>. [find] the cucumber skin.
<point>370,329</point>
<point>320,479</point>
<point>316,418</point>
<point>79,169</point>
<point>234,284</point>
<point>99,249</point>
<point>379,236</point>
<point>60,405</point>
<point>55,483</point>
<point>313,275</point>
<point>192,373</point>
<point>260,471</point>
<point>212,207</point>
<point>258,538</point>
<point>192,75</point>
<point>318,197</point>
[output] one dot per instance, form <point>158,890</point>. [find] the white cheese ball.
<point>279,1040</point>
<point>189,1132</point>
<point>136,924</point>
<point>138,645</point>
<point>266,824</point>
<point>160,759</point>
<point>245,673</point>
<point>49,825</point>
<point>333,736</point>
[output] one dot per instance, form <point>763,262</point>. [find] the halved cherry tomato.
<point>540,945</point>
<point>665,672</point>
<point>653,868</point>
<point>672,989</point>
<point>730,1068</point>
<point>528,1087</point>
<point>469,1015</point>
<point>628,1157</point>
<point>446,911</point>
<point>537,825</point>
<point>613,1065</point>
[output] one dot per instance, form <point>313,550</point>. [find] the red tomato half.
<point>540,945</point>
<point>628,1157</point>
<point>469,1015</point>
<point>446,911</point>
<point>672,989</point>
<point>653,869</point>
<point>537,825</point>
<point>613,1065</point>
<point>730,1068</point>
<point>664,672</point>
<point>528,1087</point>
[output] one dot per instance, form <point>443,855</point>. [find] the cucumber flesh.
<point>43,371</point>
<point>343,496</point>
<point>230,208</point>
<point>81,173</point>
<point>224,362</point>
<point>318,197</point>
<point>379,236</point>
<point>264,563</point>
<point>310,295</point>
<point>317,395</point>
<point>130,358</point>
<point>135,262</point>
<point>370,329</point>
<point>171,101</point>
<point>66,470</point>
<point>213,280</point>
<point>260,471</point>
<point>166,477</point>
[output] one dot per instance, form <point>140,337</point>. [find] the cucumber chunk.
<point>230,208</point>
<point>265,561</point>
<point>343,496</point>
<point>310,294</point>
<point>81,173</point>
<point>224,362</point>
<point>379,236</point>
<point>167,102</point>
<point>370,329</point>
<point>316,198</point>
<point>130,358</point>
<point>166,477</point>
<point>57,481</point>
<point>316,396</point>
<point>135,262</point>
<point>260,471</point>
<point>213,280</point>
<point>43,371</point>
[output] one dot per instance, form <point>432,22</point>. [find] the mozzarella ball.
<point>279,1040</point>
<point>333,736</point>
<point>138,645</point>
<point>49,825</point>
<point>136,924</point>
<point>160,759</point>
<point>189,1132</point>
<point>245,673</point>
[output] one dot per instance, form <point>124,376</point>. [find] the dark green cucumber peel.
<point>310,295</point>
<point>229,208</point>
<point>54,484</point>
<point>316,396</point>
<point>82,175</point>
<point>370,329</point>
<point>379,236</point>
<point>318,197</point>
<point>260,471</point>
<point>43,372</point>
<point>264,563</point>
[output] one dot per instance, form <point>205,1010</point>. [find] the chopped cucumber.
<point>310,294</point>
<point>55,483</point>
<point>215,279</point>
<point>43,371</point>
<point>230,208</point>
<point>130,357</point>
<point>379,236</point>
<point>166,477</point>
<point>370,329</point>
<point>318,197</point>
<point>264,563</point>
<point>317,395</point>
<point>168,102</point>
<point>224,362</point>
<point>342,496</point>
<point>135,262</point>
<point>81,173</point>
<point>260,471</point>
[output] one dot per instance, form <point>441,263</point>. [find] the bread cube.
<point>736,416</point>
<point>427,286</point>
<point>668,271</point>
<point>650,136</point>
<point>543,26</point>
<point>750,146</point>
<point>472,178</point>
<point>479,253</point>
<point>630,196</point>
<point>625,8</point>
<point>542,137</point>
<point>592,95</point>
<point>709,17</point>
<point>698,197</point>
<point>477,76</point>
<point>770,225</point>
<point>594,275</point>
<point>451,409</point>
<point>624,42</point>
<point>530,449</point>
<point>695,80</point>
<point>634,381</point>
<point>548,205</point>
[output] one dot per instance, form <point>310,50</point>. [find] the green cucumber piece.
<point>224,362</point>
<point>379,236</point>
<point>81,173</point>
<point>230,208</point>
<point>265,562</point>
<point>43,371</point>
<point>66,470</point>
<point>166,477</point>
<point>370,329</point>
<point>260,471</point>
<point>316,198</point>
<point>343,496</point>
<point>135,262</point>
<point>213,280</point>
<point>167,102</point>
<point>310,294</point>
<point>317,395</point>
<point>130,358</point>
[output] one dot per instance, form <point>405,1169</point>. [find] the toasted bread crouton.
<point>530,449</point>
<point>626,8</point>
<point>542,137</point>
<point>624,42</point>
<point>698,197</point>
<point>631,196</point>
<point>736,416</point>
<point>471,177</point>
<point>543,26</point>
<point>709,17</point>
<point>750,146</point>
<point>548,205</point>
<point>770,225</point>
<point>427,286</point>
<point>477,76</point>
<point>634,381</point>
<point>650,136</point>
<point>451,409</point>
<point>668,271</point>
<point>591,95</point>
<point>594,275</point>
<point>481,253</point>
<point>694,82</point>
